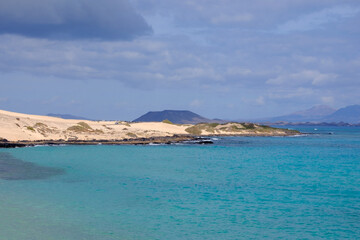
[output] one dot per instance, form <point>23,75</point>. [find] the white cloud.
<point>312,77</point>
<point>234,71</point>
<point>318,19</point>
<point>67,19</point>
<point>328,100</point>
<point>195,103</point>
<point>280,94</point>
<point>227,18</point>
<point>260,100</point>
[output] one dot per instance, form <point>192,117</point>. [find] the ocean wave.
<point>301,135</point>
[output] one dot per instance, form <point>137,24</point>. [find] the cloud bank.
<point>68,19</point>
<point>256,57</point>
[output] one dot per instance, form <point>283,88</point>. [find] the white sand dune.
<point>21,127</point>
<point>18,126</point>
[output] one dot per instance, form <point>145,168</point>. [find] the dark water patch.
<point>12,168</point>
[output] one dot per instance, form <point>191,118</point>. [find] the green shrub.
<point>108,128</point>
<point>199,128</point>
<point>194,130</point>
<point>235,128</point>
<point>30,128</point>
<point>39,124</point>
<point>214,125</point>
<point>133,135</point>
<point>249,125</point>
<point>84,125</point>
<point>77,128</point>
<point>126,124</point>
<point>167,121</point>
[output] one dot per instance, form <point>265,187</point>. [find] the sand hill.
<point>24,127</point>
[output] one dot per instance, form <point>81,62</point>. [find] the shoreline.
<point>204,139</point>
<point>19,130</point>
<point>134,141</point>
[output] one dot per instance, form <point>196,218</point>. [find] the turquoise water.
<point>238,188</point>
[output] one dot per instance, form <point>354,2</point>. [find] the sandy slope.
<point>18,126</point>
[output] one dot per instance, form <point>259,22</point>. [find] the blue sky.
<point>117,59</point>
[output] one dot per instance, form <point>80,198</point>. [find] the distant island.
<point>328,124</point>
<point>18,130</point>
<point>67,116</point>
<point>321,115</point>
<point>175,116</point>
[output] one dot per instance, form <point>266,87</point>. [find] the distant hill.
<point>316,113</point>
<point>320,114</point>
<point>349,114</point>
<point>66,116</point>
<point>175,116</point>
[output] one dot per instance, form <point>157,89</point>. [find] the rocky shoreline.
<point>135,141</point>
<point>190,139</point>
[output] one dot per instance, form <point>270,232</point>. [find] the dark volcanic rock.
<point>11,145</point>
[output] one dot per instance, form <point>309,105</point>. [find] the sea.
<point>300,187</point>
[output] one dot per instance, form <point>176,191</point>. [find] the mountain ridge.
<point>349,114</point>
<point>320,114</point>
<point>67,116</point>
<point>315,113</point>
<point>174,116</point>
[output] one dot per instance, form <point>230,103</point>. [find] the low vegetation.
<point>30,128</point>
<point>194,130</point>
<point>199,128</point>
<point>108,128</point>
<point>122,123</point>
<point>133,135</point>
<point>42,128</point>
<point>249,125</point>
<point>234,128</point>
<point>40,125</point>
<point>213,124</point>
<point>82,127</point>
<point>167,121</point>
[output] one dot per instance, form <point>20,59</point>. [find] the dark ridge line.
<point>135,141</point>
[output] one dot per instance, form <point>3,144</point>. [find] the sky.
<point>229,59</point>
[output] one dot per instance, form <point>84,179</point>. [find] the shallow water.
<point>239,188</point>
<point>15,169</point>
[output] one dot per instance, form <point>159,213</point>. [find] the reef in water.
<point>12,168</point>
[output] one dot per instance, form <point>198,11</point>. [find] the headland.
<point>19,130</point>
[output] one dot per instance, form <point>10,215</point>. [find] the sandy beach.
<point>17,127</point>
